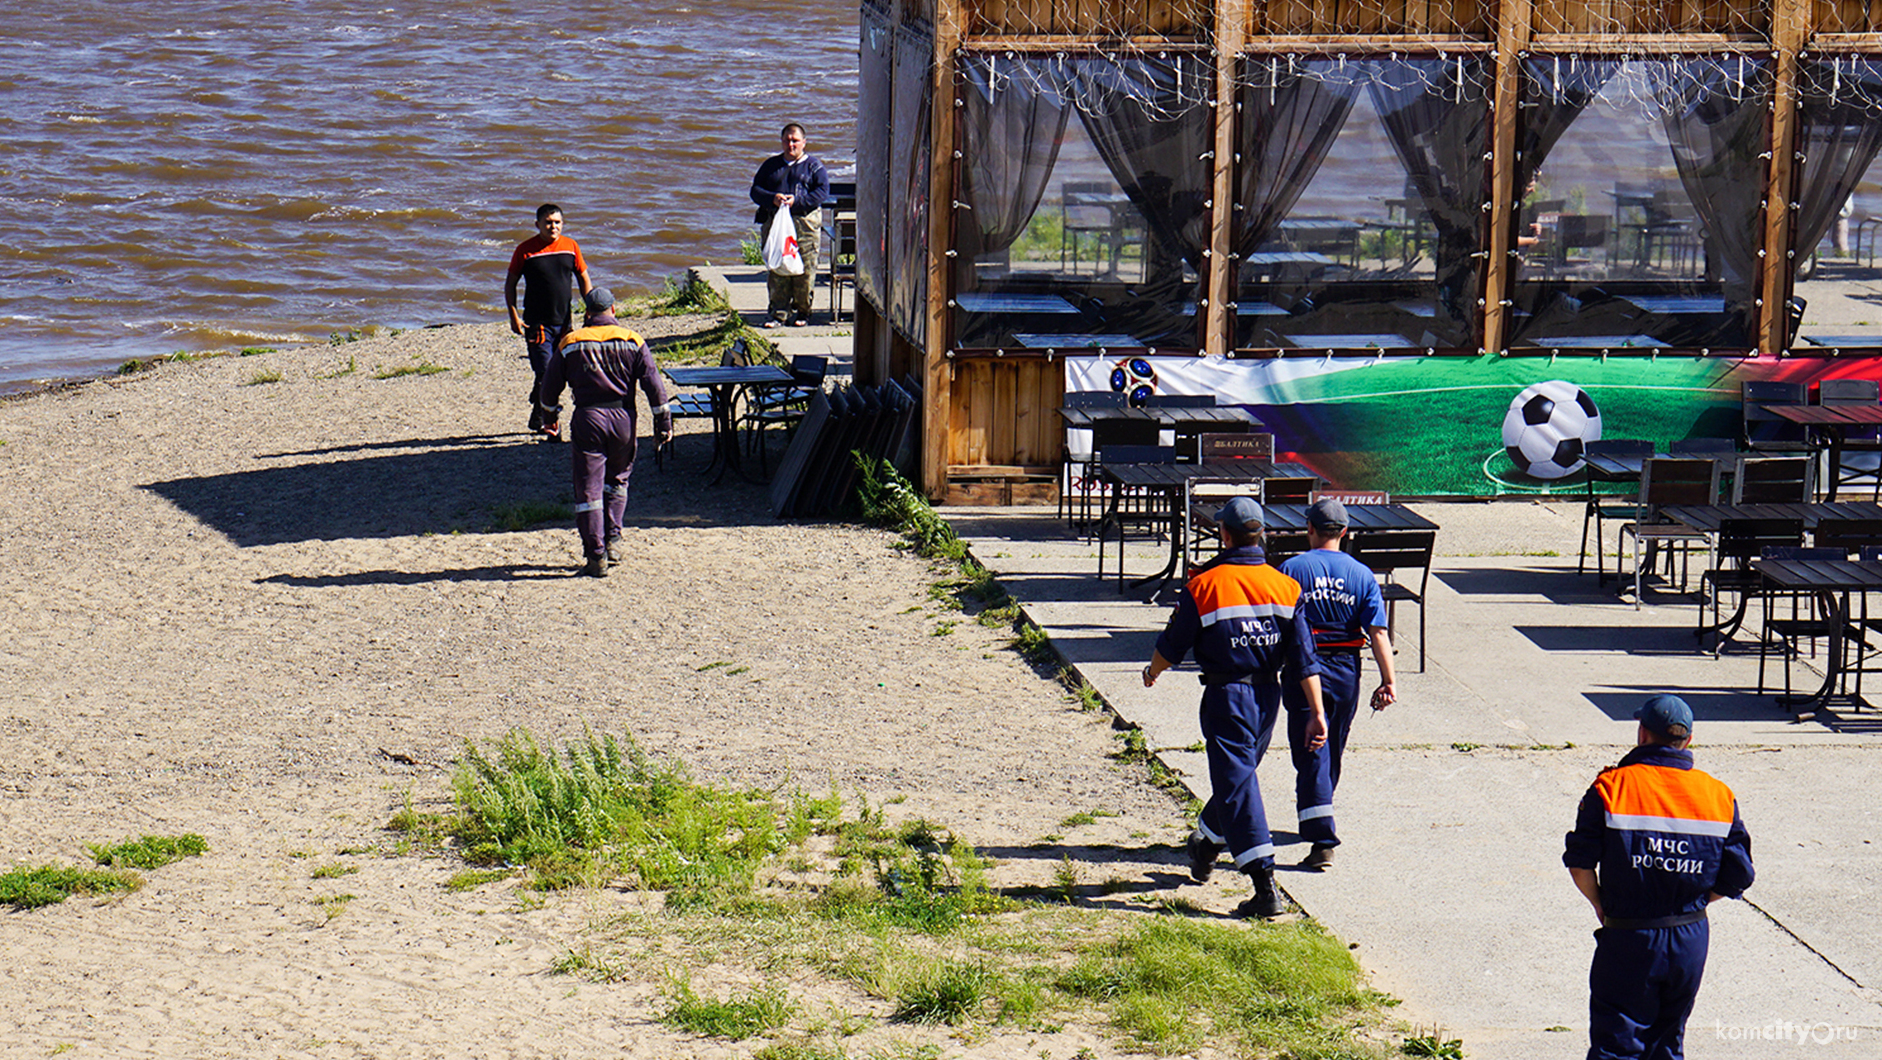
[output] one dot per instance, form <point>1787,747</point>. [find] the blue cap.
<point>599,299</point>
<point>1666,715</point>
<point>1240,514</point>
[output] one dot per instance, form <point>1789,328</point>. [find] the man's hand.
<point>782,200</point>
<point>516,321</point>
<point>661,438</point>
<point>1384,696</point>
<point>1317,730</point>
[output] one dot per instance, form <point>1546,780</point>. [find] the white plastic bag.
<point>781,254</point>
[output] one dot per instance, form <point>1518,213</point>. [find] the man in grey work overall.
<point>602,362</point>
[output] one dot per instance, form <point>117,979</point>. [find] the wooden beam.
<point>1655,43</point>
<point>1055,42</point>
<point>1223,273</point>
<point>1512,36</point>
<point>1332,43</point>
<point>938,399</point>
<point>1791,19</point>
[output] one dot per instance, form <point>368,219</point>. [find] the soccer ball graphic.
<point>1548,426</point>
<point>1135,378</point>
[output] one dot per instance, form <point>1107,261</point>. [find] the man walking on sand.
<point>791,180</point>
<point>1341,599</point>
<point>1655,842</point>
<point>549,264</point>
<point>602,362</point>
<point>1242,618</point>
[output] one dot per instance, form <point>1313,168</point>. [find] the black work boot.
<point>597,567</point>
<point>1202,855</point>
<point>1267,902</point>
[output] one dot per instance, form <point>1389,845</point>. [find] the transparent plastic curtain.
<point>1555,89</point>
<point>1290,118</point>
<point>1012,123</point>
<point>1714,110</point>
<point>1434,111</point>
<point>1148,117</point>
<point>875,59</point>
<point>1839,133</point>
<point>911,145</point>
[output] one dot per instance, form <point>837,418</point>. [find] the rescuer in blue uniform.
<point>1341,599</point>
<point>1240,617</point>
<point>1655,842</point>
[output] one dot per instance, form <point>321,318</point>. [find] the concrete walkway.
<point>1455,801</point>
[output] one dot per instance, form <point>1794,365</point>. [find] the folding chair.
<point>1386,552</point>
<point>1739,542</point>
<point>1666,481</point>
<point>1848,535</point>
<point>785,404</point>
<point>1070,459</point>
<point>1773,480</point>
<point>699,406</point>
<point>1603,506</point>
<point>1201,496</point>
<point>1766,431</point>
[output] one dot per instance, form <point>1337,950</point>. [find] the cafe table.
<point>1833,582</point>
<point>1168,484</point>
<point>730,386</point>
<point>1830,425</point>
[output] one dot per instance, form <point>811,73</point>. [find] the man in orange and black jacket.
<point>1242,619</point>
<point>1655,842</point>
<point>602,362</point>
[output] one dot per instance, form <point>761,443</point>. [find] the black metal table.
<point>1169,482</point>
<point>729,384</point>
<point>1292,518</point>
<point>1833,581</point>
<point>1829,428</point>
<point>1706,518</point>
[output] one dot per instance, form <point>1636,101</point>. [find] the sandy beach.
<point>271,612</point>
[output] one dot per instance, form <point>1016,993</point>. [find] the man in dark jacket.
<point>1241,617</point>
<point>791,180</point>
<point>601,363</point>
<point>1655,842</point>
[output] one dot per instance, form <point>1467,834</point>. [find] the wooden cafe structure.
<point>1359,218</point>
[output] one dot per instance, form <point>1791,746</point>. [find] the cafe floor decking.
<point>1455,800</point>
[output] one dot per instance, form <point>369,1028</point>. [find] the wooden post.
<point>1512,37</point>
<point>938,399</point>
<point>1231,31</point>
<point>1790,29</point>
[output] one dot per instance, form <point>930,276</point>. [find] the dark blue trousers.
<point>1237,723</point>
<point>1641,988</point>
<point>541,342</point>
<point>1317,773</point>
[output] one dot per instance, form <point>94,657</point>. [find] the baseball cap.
<point>1240,514</point>
<point>599,299</point>
<point>1327,514</point>
<point>1666,715</point>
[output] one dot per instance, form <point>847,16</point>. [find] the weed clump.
<point>148,852</point>
<point>30,887</point>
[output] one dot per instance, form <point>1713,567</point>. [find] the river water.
<point>188,174</point>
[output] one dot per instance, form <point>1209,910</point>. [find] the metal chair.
<point>1386,552</point>
<point>1602,506</point>
<point>1666,481</point>
<point>1849,535</point>
<point>1866,469</point>
<point>1739,542</point>
<point>781,405</point>
<point>1082,461</point>
<point>1773,480</point>
<point>1765,431</point>
<point>1130,508</point>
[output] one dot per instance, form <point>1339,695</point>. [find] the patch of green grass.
<point>524,514</point>
<point>1465,746</point>
<point>470,879</point>
<point>264,375</point>
<point>1433,1044</point>
<point>352,365</point>
<point>737,1017</point>
<point>708,344</point>
<point>148,852</point>
<point>341,338</point>
<point>948,992</point>
<point>334,870</point>
<point>421,366</point>
<point>29,887</point>
<point>1085,817</point>
<point>1173,984</point>
<point>678,297</point>
<point>256,351</point>
<point>333,904</point>
<point>750,250</point>
<point>187,356</point>
<point>592,966</point>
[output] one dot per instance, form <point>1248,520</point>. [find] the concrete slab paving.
<point>1455,801</point>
